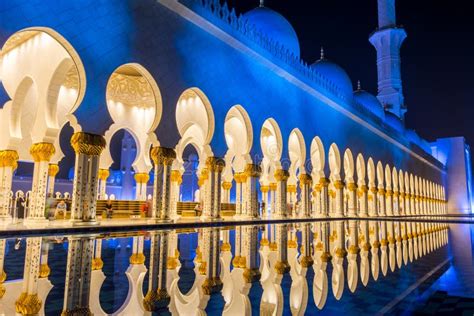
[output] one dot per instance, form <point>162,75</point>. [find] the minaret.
<point>387,40</point>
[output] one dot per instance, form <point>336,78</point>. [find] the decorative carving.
<point>130,90</point>
<point>215,164</point>
<point>137,258</point>
<point>103,174</point>
<point>142,177</point>
<point>88,144</point>
<point>253,170</point>
<point>53,170</point>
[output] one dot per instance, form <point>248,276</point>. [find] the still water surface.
<point>352,267</point>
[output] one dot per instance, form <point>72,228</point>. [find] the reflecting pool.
<point>329,267</point>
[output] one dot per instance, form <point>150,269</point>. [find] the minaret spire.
<point>322,53</point>
<point>387,40</point>
<point>358,85</point>
<point>262,4</point>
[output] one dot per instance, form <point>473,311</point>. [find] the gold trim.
<point>163,155</point>
<point>42,151</point>
<point>88,144</point>
<point>53,170</point>
<point>141,177</point>
<point>9,158</point>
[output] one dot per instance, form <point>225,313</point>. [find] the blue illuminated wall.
<point>179,55</point>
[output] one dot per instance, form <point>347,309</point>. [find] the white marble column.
<point>41,153</point>
<point>211,262</point>
<point>103,176</point>
<point>3,275</point>
<point>305,191</point>
<point>29,302</point>
<point>363,202</point>
<point>250,242</point>
<point>215,166</point>
<point>316,203</point>
<point>373,201</point>
<point>324,183</point>
<point>163,159</point>
<point>265,199</point>
<point>53,170</point>
<point>272,202</point>
<point>281,177</point>
<point>44,267</point>
<point>381,202</point>
<point>8,164</point>
<point>226,186</point>
<point>238,194</point>
<point>389,201</point>
<point>339,199</point>
<point>78,276</point>
<point>88,148</point>
<point>141,180</point>
<point>176,180</point>
<point>252,172</point>
<point>352,201</point>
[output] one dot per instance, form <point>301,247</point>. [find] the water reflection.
<point>270,270</point>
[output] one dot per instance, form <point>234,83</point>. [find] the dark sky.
<point>437,56</point>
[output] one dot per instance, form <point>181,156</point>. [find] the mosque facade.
<point>217,108</point>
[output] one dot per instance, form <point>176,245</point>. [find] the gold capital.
<point>215,164</point>
<point>42,151</point>
<point>141,177</point>
<point>305,179</point>
<point>282,175</point>
<point>176,176</point>
<point>226,185</point>
<point>87,144</point>
<point>104,174</point>
<point>163,155</point>
<point>9,158</point>
<point>253,170</point>
<point>53,170</point>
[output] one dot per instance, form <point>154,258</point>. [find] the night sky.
<point>437,56</point>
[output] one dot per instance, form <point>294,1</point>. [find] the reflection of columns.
<point>306,246</point>
<point>44,268</point>
<point>137,256</point>
<point>265,199</point>
<point>53,170</point>
<point>163,159</point>
<point>176,180</point>
<point>339,197</point>
<point>213,194</point>
<point>29,303</point>
<point>84,196</point>
<point>141,180</point>
<point>305,191</point>
<point>352,201</point>
<point>281,177</point>
<point>401,202</point>
<point>251,270</point>
<point>226,186</point>
<point>41,153</point>
<point>211,259</point>
<point>252,172</point>
<point>291,198</point>
<point>3,275</point>
<point>282,266</point>
<point>78,276</point>
<point>8,164</point>
<point>412,203</point>
<point>157,296</point>
<point>103,175</point>
<point>324,182</point>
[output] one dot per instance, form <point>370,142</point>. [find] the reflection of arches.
<point>334,159</point>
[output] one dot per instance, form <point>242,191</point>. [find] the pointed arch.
<point>360,162</point>
<point>297,154</point>
<point>318,159</point>
<point>334,159</point>
<point>348,166</point>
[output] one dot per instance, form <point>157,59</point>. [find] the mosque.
<point>187,103</point>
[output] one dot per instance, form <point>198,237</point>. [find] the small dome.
<point>274,26</point>
<point>393,121</point>
<point>334,73</point>
<point>370,102</point>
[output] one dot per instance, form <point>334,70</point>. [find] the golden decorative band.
<point>291,188</point>
<point>351,186</point>
<point>324,182</point>
<point>215,164</point>
<point>9,158</point>
<point>53,170</point>
<point>282,267</point>
<point>42,151</point>
<point>137,258</point>
<point>163,155</point>
<point>253,170</point>
<point>141,177</point>
<point>338,184</point>
<point>282,175</point>
<point>44,270</point>
<point>103,174</point>
<point>273,186</point>
<point>97,264</point>
<point>87,144</point>
<point>176,176</point>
